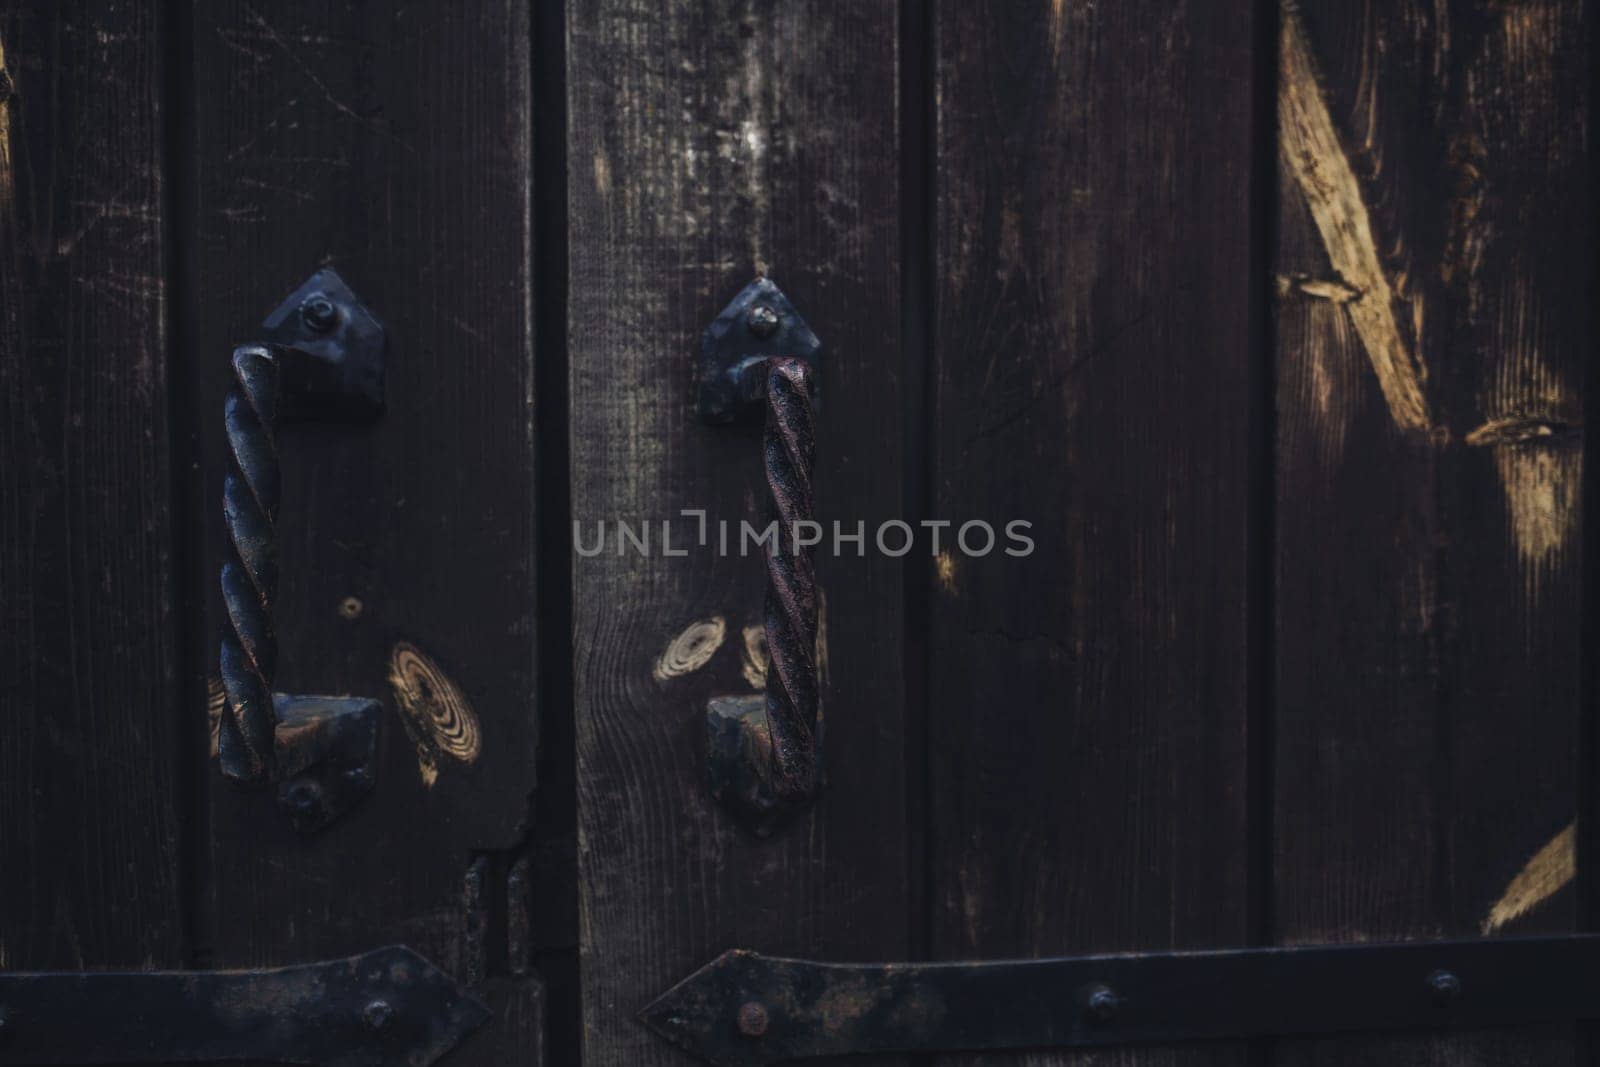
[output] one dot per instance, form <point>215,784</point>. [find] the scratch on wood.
<point>475,922</point>
<point>691,649</point>
<point>436,715</point>
<point>7,177</point>
<point>945,570</point>
<point>1311,150</point>
<point>1551,868</point>
<point>821,648</point>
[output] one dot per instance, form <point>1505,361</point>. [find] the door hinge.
<point>388,1006</point>
<point>745,1008</point>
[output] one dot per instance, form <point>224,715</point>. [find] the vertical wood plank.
<point>394,142</point>
<point>707,143</point>
<point>1432,331</point>
<point>89,702</point>
<point>1088,701</point>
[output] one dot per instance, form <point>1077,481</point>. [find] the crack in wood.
<point>1310,148</point>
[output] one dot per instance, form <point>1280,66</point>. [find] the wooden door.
<point>1270,320</point>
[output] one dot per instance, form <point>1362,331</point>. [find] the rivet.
<point>1101,1006</point>
<point>319,313</point>
<point>377,1015</point>
<point>305,798</point>
<point>1446,987</point>
<point>762,321</point>
<point>752,1019</point>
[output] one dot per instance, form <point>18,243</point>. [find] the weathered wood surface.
<point>394,142</point>
<point>1433,273</point>
<point>1089,772</point>
<point>90,869</point>
<point>708,143</point>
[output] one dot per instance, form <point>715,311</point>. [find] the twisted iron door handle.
<point>789,452</point>
<point>323,357</point>
<point>764,760</point>
<point>250,573</point>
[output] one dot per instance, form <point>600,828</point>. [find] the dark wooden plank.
<point>707,143</point>
<point>394,142</point>
<point>90,702</point>
<point>1088,702</point>
<point>1431,340</point>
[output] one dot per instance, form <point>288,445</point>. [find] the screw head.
<point>319,313</point>
<point>762,320</point>
<point>1101,1006</point>
<point>378,1014</point>
<point>304,798</point>
<point>1446,988</point>
<point>752,1019</point>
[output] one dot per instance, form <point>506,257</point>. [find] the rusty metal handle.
<point>250,498</point>
<point>789,454</point>
<point>323,356</point>
<point>764,757</point>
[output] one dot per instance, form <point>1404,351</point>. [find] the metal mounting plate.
<point>332,348</point>
<point>745,1008</point>
<point>758,324</point>
<point>327,755</point>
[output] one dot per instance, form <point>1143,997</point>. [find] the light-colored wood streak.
<point>1310,147</point>
<point>754,655</point>
<point>216,697</point>
<point>1532,424</point>
<point>8,189</point>
<point>1547,873</point>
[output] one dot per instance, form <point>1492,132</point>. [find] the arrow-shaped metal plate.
<point>389,1006</point>
<point>744,1008</point>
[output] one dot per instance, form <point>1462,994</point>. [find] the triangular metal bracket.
<point>759,324</point>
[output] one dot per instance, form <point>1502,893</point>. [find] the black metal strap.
<point>388,1006</point>
<point>744,1008</point>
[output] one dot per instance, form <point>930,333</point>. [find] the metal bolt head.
<point>1446,988</point>
<point>1101,1006</point>
<point>752,1019</point>
<point>319,313</point>
<point>378,1014</point>
<point>304,798</point>
<point>762,321</point>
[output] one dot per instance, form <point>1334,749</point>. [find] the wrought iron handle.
<point>323,356</point>
<point>764,760</point>
<point>250,573</point>
<point>789,453</point>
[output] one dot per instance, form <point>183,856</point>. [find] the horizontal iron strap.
<point>744,1008</point>
<point>386,1007</point>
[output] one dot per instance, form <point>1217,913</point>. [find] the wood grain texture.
<point>709,142</point>
<point>394,142</point>
<point>1428,582</point>
<point>1088,703</point>
<point>89,704</point>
